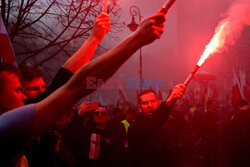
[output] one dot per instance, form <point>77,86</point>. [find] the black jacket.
<point>149,143</point>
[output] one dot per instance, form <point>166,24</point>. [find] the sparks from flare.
<point>214,45</point>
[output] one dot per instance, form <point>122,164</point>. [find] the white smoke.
<point>237,16</point>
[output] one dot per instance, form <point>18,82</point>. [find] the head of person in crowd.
<point>148,102</point>
<point>118,114</point>
<point>32,81</point>
<point>130,114</point>
<point>101,117</point>
<point>129,110</point>
<point>10,88</point>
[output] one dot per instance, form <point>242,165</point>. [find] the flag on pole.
<point>247,90</point>
<point>245,85</point>
<point>101,99</point>
<point>237,89</point>
<point>122,95</point>
<point>6,50</point>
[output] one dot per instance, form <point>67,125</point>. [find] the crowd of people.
<point>42,126</point>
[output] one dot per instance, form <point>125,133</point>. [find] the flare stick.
<point>191,75</point>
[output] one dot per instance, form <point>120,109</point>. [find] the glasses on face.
<point>100,113</point>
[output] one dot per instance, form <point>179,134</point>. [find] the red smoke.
<point>229,29</point>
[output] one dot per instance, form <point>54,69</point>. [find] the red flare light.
<point>214,45</point>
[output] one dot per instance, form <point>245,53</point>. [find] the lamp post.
<point>135,11</point>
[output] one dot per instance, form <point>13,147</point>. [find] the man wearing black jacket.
<point>149,143</point>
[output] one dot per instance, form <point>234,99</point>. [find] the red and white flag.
<point>101,99</point>
<point>247,90</point>
<point>121,97</point>
<point>6,50</point>
<point>237,89</point>
<point>245,85</point>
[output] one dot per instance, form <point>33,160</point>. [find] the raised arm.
<point>102,67</point>
<point>87,50</point>
<point>80,57</point>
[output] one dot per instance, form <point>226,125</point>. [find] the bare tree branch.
<point>42,29</point>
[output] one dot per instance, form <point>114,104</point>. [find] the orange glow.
<point>215,44</point>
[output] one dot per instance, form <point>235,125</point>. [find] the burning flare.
<point>215,44</point>
<point>226,32</point>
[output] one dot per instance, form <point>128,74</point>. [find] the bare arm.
<point>103,67</point>
<point>81,57</point>
<point>87,50</point>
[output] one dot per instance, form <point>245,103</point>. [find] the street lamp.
<point>135,11</point>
